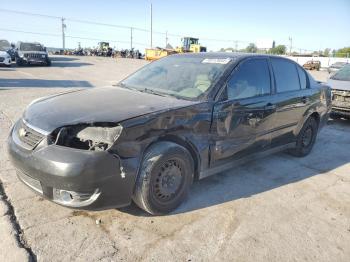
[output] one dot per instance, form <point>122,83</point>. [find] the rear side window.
<point>302,78</point>
<point>252,78</point>
<point>286,75</point>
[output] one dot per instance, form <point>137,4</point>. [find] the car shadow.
<point>63,58</point>
<point>5,68</point>
<point>42,83</point>
<point>57,64</point>
<point>262,175</point>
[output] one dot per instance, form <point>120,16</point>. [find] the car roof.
<point>222,55</point>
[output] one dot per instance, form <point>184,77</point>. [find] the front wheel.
<point>164,178</point>
<point>19,62</point>
<point>306,138</point>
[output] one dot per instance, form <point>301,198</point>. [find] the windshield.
<point>31,47</point>
<point>181,76</point>
<point>338,64</point>
<point>343,74</point>
<point>4,45</point>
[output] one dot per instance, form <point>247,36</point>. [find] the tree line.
<point>282,50</point>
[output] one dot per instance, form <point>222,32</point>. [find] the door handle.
<point>305,99</point>
<point>270,106</point>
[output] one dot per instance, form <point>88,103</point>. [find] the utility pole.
<point>63,34</point>
<point>166,38</point>
<point>236,45</point>
<point>130,38</point>
<point>290,45</point>
<point>151,27</point>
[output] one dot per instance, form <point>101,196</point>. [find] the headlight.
<point>20,55</point>
<point>43,56</point>
<point>96,138</point>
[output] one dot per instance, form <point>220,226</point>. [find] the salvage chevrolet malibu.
<point>178,119</point>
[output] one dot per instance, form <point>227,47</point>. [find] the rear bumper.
<point>95,178</point>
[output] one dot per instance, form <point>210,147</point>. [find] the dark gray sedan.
<point>178,119</point>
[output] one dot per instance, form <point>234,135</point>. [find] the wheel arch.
<point>308,114</point>
<point>190,147</point>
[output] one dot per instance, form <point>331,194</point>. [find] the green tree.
<point>343,52</point>
<point>251,48</point>
<point>326,52</point>
<point>278,50</point>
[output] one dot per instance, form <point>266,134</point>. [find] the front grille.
<point>2,59</point>
<point>29,136</point>
<point>341,99</point>
<point>29,55</point>
<point>31,182</point>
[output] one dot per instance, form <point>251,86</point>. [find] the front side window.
<point>252,78</point>
<point>286,75</point>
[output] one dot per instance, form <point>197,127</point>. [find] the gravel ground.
<point>279,208</point>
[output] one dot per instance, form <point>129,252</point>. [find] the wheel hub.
<point>168,181</point>
<point>307,137</point>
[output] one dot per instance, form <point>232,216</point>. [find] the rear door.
<point>242,119</point>
<point>292,98</point>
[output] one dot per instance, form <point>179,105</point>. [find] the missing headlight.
<point>94,138</point>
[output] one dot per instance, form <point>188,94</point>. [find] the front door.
<point>242,120</point>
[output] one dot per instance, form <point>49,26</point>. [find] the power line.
<point>28,13</point>
<point>70,36</point>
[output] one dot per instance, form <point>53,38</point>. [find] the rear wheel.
<point>306,138</point>
<point>164,179</point>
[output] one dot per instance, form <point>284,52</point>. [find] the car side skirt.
<point>229,164</point>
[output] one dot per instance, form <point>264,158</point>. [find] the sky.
<point>312,25</point>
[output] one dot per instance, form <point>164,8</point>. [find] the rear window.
<point>302,78</point>
<point>286,75</point>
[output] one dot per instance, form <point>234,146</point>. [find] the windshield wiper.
<point>151,91</point>
<point>144,90</point>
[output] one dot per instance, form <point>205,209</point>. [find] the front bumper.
<point>5,61</point>
<point>34,60</point>
<point>341,103</point>
<point>96,180</point>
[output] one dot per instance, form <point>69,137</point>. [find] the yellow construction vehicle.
<point>189,44</point>
<point>156,53</point>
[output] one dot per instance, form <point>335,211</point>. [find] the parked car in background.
<point>5,58</point>
<point>178,119</point>
<point>340,84</point>
<point>312,65</point>
<point>336,66</point>
<point>31,53</point>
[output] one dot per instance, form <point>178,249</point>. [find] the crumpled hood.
<point>105,104</point>
<point>340,85</point>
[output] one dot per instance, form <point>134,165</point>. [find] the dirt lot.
<point>279,208</point>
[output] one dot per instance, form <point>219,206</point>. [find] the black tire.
<point>19,62</point>
<point>48,62</point>
<point>164,179</point>
<point>306,138</point>
<point>335,116</point>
